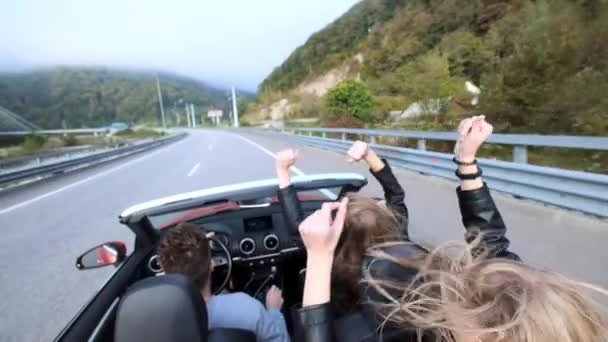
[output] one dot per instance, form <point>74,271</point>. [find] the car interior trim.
<point>104,321</point>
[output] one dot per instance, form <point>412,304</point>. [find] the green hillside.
<point>542,65</point>
<point>90,97</point>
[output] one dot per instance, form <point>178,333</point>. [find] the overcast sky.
<point>220,41</point>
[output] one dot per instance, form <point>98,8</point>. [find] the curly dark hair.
<point>185,250</point>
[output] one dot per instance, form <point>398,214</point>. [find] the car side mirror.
<point>108,253</point>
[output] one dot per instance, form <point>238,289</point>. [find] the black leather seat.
<point>365,324</point>
<point>168,308</point>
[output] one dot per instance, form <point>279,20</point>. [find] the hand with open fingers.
<point>274,298</point>
<point>320,233</point>
<point>358,151</point>
<point>472,132</point>
<point>286,158</point>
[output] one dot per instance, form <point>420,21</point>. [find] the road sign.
<point>215,113</point>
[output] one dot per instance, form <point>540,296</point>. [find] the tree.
<point>350,98</point>
<point>242,104</point>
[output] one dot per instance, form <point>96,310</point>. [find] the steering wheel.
<point>224,260</point>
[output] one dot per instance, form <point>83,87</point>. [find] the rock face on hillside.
<point>276,111</point>
<point>320,85</point>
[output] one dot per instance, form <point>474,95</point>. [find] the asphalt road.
<point>46,225</point>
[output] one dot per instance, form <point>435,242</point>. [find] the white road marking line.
<point>194,169</point>
<point>294,169</point>
<point>82,181</point>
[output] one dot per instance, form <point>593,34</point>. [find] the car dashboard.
<point>253,235</point>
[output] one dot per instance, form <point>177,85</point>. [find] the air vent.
<point>247,246</point>
<point>154,264</point>
<point>271,242</point>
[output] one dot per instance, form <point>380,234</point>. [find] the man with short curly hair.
<point>185,249</point>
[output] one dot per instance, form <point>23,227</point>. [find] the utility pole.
<point>193,115</point>
<point>160,102</point>
<point>235,109</point>
<point>188,118</point>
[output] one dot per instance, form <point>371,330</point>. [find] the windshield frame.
<point>239,192</point>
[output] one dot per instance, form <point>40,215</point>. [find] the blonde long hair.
<point>456,294</point>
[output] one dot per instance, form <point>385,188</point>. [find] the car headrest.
<point>162,308</point>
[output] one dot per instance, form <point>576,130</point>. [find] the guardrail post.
<point>422,144</point>
<point>324,135</point>
<point>310,134</point>
<point>343,136</point>
<point>372,139</point>
<point>520,154</point>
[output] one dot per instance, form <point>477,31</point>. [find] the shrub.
<point>33,142</point>
<point>124,132</point>
<point>350,99</point>
<point>69,140</point>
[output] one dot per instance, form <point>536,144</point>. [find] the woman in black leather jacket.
<point>321,234</point>
<point>394,194</point>
<point>367,222</point>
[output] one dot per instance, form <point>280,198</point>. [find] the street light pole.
<point>235,110</point>
<point>188,116</point>
<point>160,102</point>
<point>193,113</point>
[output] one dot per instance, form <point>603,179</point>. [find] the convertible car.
<point>252,249</point>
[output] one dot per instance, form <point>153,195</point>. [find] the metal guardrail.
<point>520,142</point>
<point>60,167</point>
<point>583,191</point>
<point>80,131</point>
<point>39,158</point>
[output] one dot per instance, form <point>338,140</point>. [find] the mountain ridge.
<point>77,96</point>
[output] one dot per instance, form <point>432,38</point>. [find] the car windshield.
<point>168,219</point>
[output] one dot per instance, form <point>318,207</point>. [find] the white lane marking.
<point>294,169</point>
<point>194,169</point>
<point>82,181</point>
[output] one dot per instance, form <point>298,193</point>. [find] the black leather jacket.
<point>479,215</point>
<point>393,194</point>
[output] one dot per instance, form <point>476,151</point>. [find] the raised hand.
<point>361,151</point>
<point>286,159</point>
<point>320,233</point>
<point>358,151</point>
<point>472,133</point>
<point>274,298</point>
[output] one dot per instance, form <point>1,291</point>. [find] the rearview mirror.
<point>108,253</point>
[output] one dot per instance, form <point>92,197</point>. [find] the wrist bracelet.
<point>461,163</point>
<point>469,176</point>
